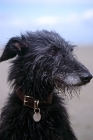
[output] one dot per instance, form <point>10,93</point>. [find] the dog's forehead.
<point>46,39</point>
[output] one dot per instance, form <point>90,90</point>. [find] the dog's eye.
<point>71,49</point>
<point>54,52</point>
<point>63,55</point>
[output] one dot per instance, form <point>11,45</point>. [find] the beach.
<point>80,108</point>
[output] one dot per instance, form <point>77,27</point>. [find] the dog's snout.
<point>86,77</point>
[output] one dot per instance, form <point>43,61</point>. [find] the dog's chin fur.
<point>67,91</point>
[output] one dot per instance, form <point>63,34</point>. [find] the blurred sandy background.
<point>80,109</point>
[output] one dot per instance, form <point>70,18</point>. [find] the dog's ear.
<point>15,46</point>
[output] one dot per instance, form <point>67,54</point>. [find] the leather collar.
<point>34,103</point>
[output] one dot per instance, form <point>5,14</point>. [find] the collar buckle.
<point>25,99</point>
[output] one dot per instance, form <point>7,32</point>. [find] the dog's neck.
<point>34,104</point>
<point>38,91</point>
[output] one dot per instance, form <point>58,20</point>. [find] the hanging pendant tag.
<point>37,115</point>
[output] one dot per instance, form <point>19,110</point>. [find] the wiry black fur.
<point>43,64</point>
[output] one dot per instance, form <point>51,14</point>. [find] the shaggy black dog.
<point>43,67</point>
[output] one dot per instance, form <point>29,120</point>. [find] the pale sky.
<point>72,19</point>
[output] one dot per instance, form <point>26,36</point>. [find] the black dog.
<point>44,66</point>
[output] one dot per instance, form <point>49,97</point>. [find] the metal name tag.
<point>37,115</point>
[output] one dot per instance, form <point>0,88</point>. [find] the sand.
<point>80,109</point>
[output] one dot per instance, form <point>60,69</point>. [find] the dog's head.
<point>44,61</point>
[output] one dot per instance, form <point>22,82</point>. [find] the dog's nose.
<point>85,78</point>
